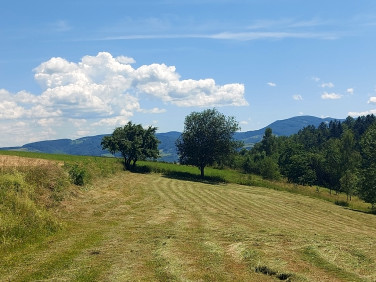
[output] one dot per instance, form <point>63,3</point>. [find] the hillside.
<point>90,146</point>
<point>149,227</point>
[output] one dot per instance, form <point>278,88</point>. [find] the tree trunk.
<point>125,163</point>
<point>202,171</point>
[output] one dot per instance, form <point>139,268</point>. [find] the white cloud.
<point>271,84</point>
<point>331,96</point>
<point>10,110</point>
<point>105,91</point>
<point>357,114</point>
<point>125,60</point>
<point>297,97</point>
<point>315,78</point>
<point>153,111</point>
<point>350,91</point>
<point>327,85</point>
<point>243,122</point>
<point>372,100</point>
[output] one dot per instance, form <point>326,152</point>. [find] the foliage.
<point>207,138</point>
<point>367,189</point>
<point>349,183</point>
<point>133,142</point>
<point>78,174</point>
<point>337,155</point>
<point>269,169</point>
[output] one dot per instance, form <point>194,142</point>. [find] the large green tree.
<point>133,142</point>
<point>207,138</point>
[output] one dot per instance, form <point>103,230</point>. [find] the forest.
<point>337,155</point>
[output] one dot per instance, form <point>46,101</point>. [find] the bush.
<point>78,174</point>
<point>269,169</point>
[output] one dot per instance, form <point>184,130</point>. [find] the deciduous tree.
<point>207,138</point>
<point>133,142</point>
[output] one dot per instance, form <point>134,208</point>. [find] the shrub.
<point>269,169</point>
<point>78,174</point>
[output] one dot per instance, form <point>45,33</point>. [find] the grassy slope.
<point>151,227</point>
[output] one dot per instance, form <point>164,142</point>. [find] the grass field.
<point>154,227</point>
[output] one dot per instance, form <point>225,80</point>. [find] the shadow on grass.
<point>214,180</point>
<point>365,212</point>
<point>141,169</point>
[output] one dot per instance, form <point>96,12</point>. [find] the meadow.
<point>163,223</point>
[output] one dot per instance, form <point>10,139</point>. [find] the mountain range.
<point>91,145</point>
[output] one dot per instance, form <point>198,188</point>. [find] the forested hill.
<point>91,145</point>
<point>284,127</point>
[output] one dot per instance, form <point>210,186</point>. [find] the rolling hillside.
<point>90,146</point>
<point>149,227</point>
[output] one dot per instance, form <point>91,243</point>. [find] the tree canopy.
<point>207,138</point>
<point>133,142</point>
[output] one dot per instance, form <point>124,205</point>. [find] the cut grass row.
<point>233,176</point>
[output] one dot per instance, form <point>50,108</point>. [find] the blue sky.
<point>75,68</point>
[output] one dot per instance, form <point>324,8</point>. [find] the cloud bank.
<point>103,91</point>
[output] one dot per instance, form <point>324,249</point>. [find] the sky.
<point>76,68</point>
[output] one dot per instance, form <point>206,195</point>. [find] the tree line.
<point>339,155</point>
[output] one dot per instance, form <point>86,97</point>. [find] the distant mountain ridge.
<point>285,127</point>
<point>91,145</point>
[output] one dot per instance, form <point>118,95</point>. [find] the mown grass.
<point>214,175</point>
<point>91,168</point>
<point>148,227</point>
<point>163,226</point>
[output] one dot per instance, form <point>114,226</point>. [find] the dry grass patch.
<point>16,161</point>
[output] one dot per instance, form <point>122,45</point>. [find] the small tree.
<point>349,182</point>
<point>367,189</point>
<point>207,138</point>
<point>133,142</point>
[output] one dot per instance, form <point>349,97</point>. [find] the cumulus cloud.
<point>97,81</point>
<point>272,84</point>
<point>297,97</point>
<point>331,96</point>
<point>350,91</point>
<point>106,91</point>
<point>327,85</point>
<point>372,100</point>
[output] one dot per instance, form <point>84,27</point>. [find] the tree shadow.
<point>360,211</point>
<point>143,169</point>
<point>213,180</point>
